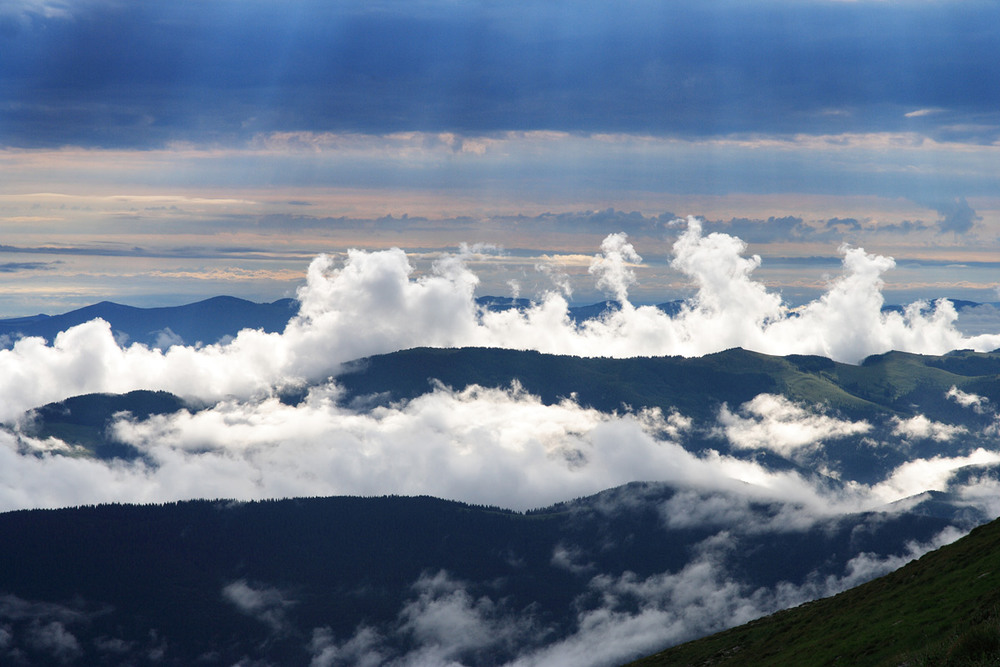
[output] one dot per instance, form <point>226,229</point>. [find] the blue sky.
<point>157,152</point>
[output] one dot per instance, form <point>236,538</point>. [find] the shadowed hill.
<point>217,582</point>
<point>84,420</point>
<point>896,382</point>
<point>893,384</point>
<point>603,383</point>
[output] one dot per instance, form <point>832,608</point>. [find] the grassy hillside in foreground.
<point>939,610</point>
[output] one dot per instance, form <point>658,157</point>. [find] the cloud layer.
<point>500,447</point>
<point>404,67</point>
<point>374,304</point>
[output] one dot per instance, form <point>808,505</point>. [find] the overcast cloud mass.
<point>161,152</point>
<point>125,75</point>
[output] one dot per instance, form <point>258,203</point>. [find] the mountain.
<point>207,321</point>
<point>279,582</point>
<point>940,610</point>
<point>895,382</point>
<point>884,393</point>
<point>604,383</point>
<point>83,421</point>
<point>576,313</point>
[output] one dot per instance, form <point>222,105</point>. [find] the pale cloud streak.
<point>923,112</point>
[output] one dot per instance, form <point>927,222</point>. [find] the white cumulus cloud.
<point>977,403</point>
<point>771,421</point>
<point>920,427</point>
<point>373,304</point>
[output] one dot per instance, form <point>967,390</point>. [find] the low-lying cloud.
<point>920,427</point>
<point>264,603</point>
<point>489,446</point>
<point>979,404</point>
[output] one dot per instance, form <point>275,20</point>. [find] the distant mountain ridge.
<point>212,320</point>
<point>897,382</point>
<point>207,321</point>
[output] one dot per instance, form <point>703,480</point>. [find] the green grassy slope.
<point>939,610</point>
<point>895,382</point>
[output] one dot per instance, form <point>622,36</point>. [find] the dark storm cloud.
<point>905,227</point>
<point>137,74</point>
<point>956,216</point>
<point>601,221</point>
<point>784,228</point>
<point>843,224</point>
<point>17,267</point>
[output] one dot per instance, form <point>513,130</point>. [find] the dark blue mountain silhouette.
<point>206,321</point>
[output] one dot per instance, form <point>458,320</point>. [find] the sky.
<point>157,153</point>
<point>789,166</point>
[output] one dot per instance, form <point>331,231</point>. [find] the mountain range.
<point>207,321</point>
<point>838,473</point>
